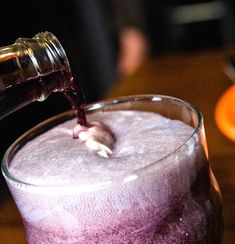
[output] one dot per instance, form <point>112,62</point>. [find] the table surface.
<point>197,77</point>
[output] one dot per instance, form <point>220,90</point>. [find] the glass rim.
<point>65,116</point>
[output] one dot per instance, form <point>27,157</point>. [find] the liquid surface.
<point>55,158</point>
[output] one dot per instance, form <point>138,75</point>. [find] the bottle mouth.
<point>54,48</point>
<point>50,54</point>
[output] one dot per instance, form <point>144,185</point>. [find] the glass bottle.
<point>30,70</point>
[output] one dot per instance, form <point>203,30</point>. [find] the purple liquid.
<point>76,97</point>
<point>174,202</point>
<point>147,226</point>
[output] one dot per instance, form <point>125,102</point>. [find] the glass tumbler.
<point>173,200</point>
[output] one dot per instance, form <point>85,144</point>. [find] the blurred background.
<point>106,40</point>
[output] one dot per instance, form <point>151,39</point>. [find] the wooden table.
<point>196,77</point>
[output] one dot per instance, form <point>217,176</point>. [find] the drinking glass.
<point>173,200</point>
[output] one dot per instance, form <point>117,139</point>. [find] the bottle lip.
<point>56,50</point>
<point>50,43</point>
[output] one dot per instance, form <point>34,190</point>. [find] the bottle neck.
<point>45,56</point>
<point>45,53</point>
<point>30,70</point>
